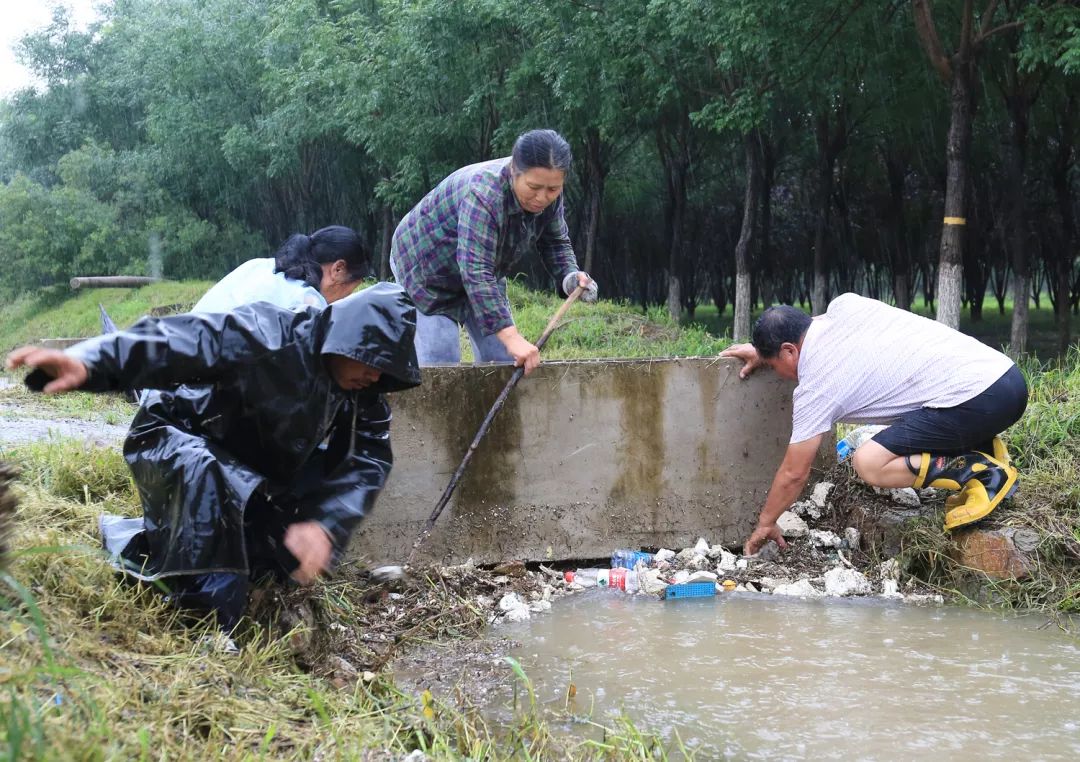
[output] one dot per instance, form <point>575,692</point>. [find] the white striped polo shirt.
<point>866,362</point>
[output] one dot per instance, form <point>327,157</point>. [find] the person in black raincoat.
<point>266,443</point>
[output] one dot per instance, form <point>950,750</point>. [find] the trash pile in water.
<point>357,624</point>
<point>818,562</point>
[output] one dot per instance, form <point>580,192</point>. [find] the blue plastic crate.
<point>699,589</point>
<point>628,559</point>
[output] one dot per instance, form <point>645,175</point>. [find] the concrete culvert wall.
<point>585,457</point>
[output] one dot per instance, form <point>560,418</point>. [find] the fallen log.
<point>60,344</point>
<point>111,281</point>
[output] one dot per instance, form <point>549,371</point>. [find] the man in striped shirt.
<point>945,395</point>
<point>453,251</point>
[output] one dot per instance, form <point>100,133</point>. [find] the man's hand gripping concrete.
<point>749,356</point>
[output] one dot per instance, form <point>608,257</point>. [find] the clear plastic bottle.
<point>847,446</point>
<point>585,577</point>
<point>616,579</point>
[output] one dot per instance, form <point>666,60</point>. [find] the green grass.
<point>604,329</point>
<point>74,470</point>
<point>607,329</point>
<point>16,401</point>
<point>59,312</point>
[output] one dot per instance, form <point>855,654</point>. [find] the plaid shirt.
<point>453,251</point>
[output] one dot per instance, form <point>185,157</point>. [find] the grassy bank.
<point>605,329</point>
<point>95,669</point>
<point>59,312</point>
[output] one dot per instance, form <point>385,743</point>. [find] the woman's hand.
<point>311,546</point>
<point>67,372</point>
<point>524,352</point>
<point>579,278</point>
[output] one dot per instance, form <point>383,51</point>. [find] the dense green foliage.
<point>800,146</point>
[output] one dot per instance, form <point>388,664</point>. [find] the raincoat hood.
<point>376,326</point>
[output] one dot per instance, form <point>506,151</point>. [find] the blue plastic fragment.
<point>700,589</point>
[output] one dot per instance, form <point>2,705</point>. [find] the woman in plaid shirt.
<point>453,251</point>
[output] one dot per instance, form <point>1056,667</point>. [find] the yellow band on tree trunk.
<point>955,221</point>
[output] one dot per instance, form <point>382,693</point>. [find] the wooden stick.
<point>499,402</point>
<point>110,281</point>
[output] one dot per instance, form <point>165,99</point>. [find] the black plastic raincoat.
<point>245,405</point>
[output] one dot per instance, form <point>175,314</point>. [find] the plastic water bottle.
<point>849,444</point>
<point>628,559</point>
<point>616,579</point>
<point>588,577</point>
<point>621,578</point>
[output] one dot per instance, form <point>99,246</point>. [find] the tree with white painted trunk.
<point>957,70</point>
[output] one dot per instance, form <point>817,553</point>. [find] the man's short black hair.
<point>778,325</point>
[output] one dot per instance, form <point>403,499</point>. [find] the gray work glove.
<point>570,282</point>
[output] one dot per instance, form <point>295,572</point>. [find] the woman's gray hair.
<point>541,149</point>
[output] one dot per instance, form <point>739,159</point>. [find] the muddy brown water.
<point>762,677</point>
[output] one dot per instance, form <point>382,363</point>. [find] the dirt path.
<point>26,417</point>
<point>14,431</point>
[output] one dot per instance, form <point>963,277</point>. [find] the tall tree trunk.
<point>896,239</point>
<point>957,69</point>
<point>1019,107</point>
<point>740,331</point>
<point>775,291</point>
<point>976,270</point>
<point>676,163</point>
<point>386,238</point>
<point>951,256</point>
<point>1063,267</point>
<point>929,279</point>
<point>594,194</point>
<point>820,295</point>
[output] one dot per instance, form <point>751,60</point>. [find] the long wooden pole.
<point>110,281</point>
<point>499,402</point>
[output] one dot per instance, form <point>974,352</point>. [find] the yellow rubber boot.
<point>959,498</point>
<point>981,480</point>
<point>1001,455</point>
<point>993,483</point>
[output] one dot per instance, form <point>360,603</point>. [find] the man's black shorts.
<point>971,425</point>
